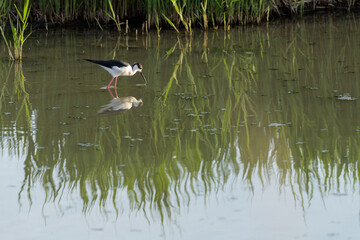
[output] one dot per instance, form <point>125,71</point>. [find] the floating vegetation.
<point>194,130</point>
<point>78,117</point>
<point>345,97</point>
<point>311,88</point>
<point>80,106</point>
<point>83,144</point>
<point>292,92</point>
<point>276,124</point>
<point>195,115</point>
<point>53,108</point>
<point>87,144</point>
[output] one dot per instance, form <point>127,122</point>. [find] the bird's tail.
<point>89,60</point>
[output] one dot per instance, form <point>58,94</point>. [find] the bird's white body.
<point>118,68</point>
<point>116,71</point>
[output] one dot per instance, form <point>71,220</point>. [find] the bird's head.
<point>136,103</point>
<point>137,67</point>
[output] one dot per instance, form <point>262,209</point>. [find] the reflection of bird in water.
<point>121,103</point>
<point>118,68</point>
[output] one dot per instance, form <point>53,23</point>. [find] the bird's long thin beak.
<point>143,77</point>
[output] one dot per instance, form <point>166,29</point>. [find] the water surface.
<point>250,134</point>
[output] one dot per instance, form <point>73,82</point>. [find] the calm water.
<point>251,134</point>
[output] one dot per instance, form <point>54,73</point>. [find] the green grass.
<point>158,14</point>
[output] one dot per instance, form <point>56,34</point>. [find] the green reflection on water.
<point>250,104</point>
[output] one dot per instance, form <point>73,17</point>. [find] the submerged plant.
<point>180,11</point>
<point>18,32</point>
<point>114,17</point>
<point>171,23</point>
<point>11,56</point>
<point>157,24</point>
<point>203,8</point>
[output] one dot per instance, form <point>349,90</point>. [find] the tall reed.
<point>204,6</point>
<point>186,21</point>
<point>114,17</point>
<point>187,12</point>
<point>4,9</point>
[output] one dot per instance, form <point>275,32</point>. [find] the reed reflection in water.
<point>235,114</point>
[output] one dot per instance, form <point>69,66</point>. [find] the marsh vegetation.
<point>158,14</point>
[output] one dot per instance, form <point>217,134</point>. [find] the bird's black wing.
<point>109,63</point>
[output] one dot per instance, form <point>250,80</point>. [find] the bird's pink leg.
<point>115,81</point>
<point>110,83</point>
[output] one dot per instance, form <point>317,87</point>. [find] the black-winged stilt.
<point>121,103</point>
<point>118,68</point>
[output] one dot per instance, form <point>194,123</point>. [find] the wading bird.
<point>121,103</point>
<point>118,68</point>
